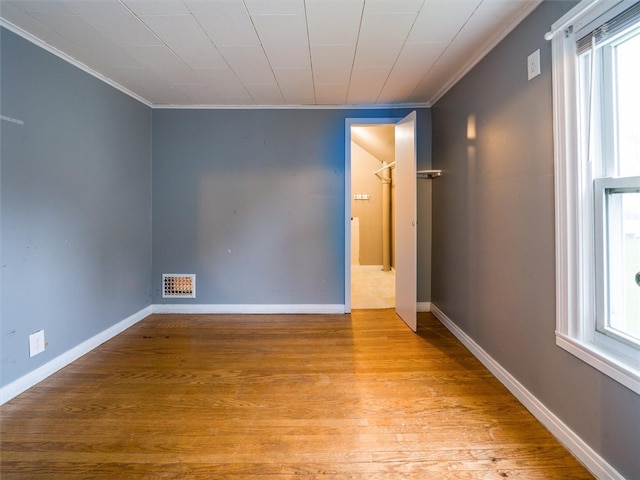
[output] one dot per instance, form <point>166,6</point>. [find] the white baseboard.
<point>248,309</point>
<point>27,381</point>
<point>597,465</point>
<point>423,307</point>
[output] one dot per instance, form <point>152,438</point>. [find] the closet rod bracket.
<point>428,173</point>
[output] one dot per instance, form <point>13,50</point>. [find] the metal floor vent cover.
<point>175,285</point>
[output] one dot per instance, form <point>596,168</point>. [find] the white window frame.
<point>576,287</point>
<point>603,188</point>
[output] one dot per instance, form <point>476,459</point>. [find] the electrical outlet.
<point>36,343</point>
<point>533,65</point>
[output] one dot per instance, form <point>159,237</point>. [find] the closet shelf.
<point>428,173</point>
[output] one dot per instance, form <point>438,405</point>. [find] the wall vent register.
<point>176,285</point>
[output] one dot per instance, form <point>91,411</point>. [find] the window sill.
<point>621,368</point>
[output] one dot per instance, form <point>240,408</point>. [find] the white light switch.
<point>533,65</point>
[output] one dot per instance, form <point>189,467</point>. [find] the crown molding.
<point>292,107</point>
<point>67,58</point>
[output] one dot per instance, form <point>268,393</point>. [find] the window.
<point>597,163</point>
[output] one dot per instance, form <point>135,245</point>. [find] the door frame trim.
<point>348,123</point>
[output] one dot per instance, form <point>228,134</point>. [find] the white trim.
<point>601,359</point>
<point>45,46</point>
<point>595,463</point>
<point>34,377</point>
<point>528,8</point>
<point>247,309</point>
<point>423,307</point>
<point>382,106</point>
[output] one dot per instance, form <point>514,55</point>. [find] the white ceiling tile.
<point>284,38</point>
<point>368,56</point>
<point>362,76</point>
<point>139,75</point>
<point>215,75</point>
<point>366,83</point>
<point>332,63</point>
<point>378,29</point>
<point>445,69</point>
<point>231,89</point>
<point>115,21</point>
<point>304,101</point>
<point>154,89</point>
<point>100,63</point>
<point>393,6</point>
<point>396,92</point>
<point>441,21</point>
<point>163,62</point>
<point>360,97</point>
<point>331,94</point>
<point>218,91</point>
<point>334,22</point>
<point>72,27</point>
<point>295,82</point>
<point>488,21</point>
<point>156,7</point>
<point>225,22</point>
<point>100,49</point>
<point>183,35</point>
<point>493,16</point>
<point>381,39</point>
<point>161,96</point>
<point>427,89</point>
<point>45,7</point>
<point>415,60</point>
<point>17,16</point>
<point>275,7</point>
<point>265,94</point>
<point>200,94</point>
<point>117,76</point>
<point>249,64</point>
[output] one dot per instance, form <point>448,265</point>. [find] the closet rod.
<point>392,164</point>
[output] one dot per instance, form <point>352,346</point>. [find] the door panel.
<point>406,214</point>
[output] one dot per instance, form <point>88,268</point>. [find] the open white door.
<point>405,211</point>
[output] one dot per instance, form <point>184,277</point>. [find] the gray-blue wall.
<point>75,205</point>
<point>252,202</point>
<point>493,239</point>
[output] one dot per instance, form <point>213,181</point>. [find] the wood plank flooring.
<point>277,397</point>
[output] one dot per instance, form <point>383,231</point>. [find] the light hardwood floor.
<point>277,397</point>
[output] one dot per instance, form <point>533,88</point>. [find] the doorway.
<point>404,209</point>
<point>372,220</point>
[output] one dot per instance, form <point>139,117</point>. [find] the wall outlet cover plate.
<point>36,343</point>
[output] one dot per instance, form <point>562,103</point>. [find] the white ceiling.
<point>272,52</point>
